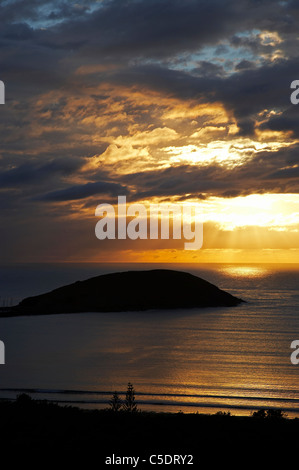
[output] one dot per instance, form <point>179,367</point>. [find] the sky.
<point>161,101</point>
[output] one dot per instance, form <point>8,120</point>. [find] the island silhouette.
<point>128,291</point>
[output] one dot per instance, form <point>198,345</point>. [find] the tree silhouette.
<point>275,414</point>
<point>223,413</point>
<point>115,402</point>
<point>129,404</point>
<point>260,414</point>
<point>269,414</point>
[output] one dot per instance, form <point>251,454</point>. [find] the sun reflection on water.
<point>246,271</point>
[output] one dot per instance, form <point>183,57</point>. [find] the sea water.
<point>233,359</point>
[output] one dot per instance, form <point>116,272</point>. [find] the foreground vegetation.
<point>64,431</point>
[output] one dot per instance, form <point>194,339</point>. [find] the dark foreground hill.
<point>129,291</point>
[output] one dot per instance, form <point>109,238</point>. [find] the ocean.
<point>234,359</point>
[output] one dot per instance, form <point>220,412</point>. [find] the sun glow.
<point>275,211</point>
<point>245,271</point>
<point>227,153</point>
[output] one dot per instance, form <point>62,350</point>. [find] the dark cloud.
<point>35,172</point>
<point>245,65</point>
<point>84,191</point>
<point>263,172</point>
<point>66,66</point>
<point>153,27</point>
<point>37,12</point>
<point>160,28</point>
<point>287,173</point>
<point>287,120</point>
<point>135,31</point>
<point>208,69</point>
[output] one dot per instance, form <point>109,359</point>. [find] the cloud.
<point>98,93</point>
<point>163,28</point>
<point>84,191</point>
<point>262,173</point>
<point>48,11</point>
<point>35,172</point>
